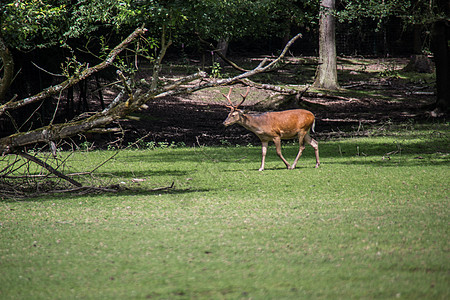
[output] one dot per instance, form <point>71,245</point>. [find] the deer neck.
<point>251,122</point>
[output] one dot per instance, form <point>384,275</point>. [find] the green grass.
<point>369,226</point>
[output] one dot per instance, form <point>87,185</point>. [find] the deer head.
<point>235,114</point>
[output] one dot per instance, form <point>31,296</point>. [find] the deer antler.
<point>228,98</point>
<point>243,97</point>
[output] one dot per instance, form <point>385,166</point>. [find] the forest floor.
<point>374,93</point>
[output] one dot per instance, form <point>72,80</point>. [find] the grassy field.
<point>372,222</point>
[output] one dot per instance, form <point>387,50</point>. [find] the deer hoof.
<point>317,165</point>
<point>261,169</point>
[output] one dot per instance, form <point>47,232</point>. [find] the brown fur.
<point>275,126</point>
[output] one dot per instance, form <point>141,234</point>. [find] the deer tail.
<point>313,126</point>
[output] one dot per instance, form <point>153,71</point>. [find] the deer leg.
<point>277,142</point>
<point>301,142</point>
<point>315,145</point>
<point>264,151</point>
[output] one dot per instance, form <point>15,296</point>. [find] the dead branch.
<point>165,188</point>
<point>157,66</point>
<point>49,168</point>
<point>61,131</point>
<point>264,66</point>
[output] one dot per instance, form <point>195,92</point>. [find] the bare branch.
<point>262,67</point>
<point>162,53</point>
<point>49,168</point>
<point>46,71</point>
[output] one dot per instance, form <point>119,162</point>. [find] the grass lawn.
<point>371,222</point>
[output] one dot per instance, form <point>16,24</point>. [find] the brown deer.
<point>275,126</point>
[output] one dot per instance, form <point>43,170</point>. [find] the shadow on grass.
<point>140,191</point>
<point>281,167</point>
<point>395,162</point>
<point>144,173</point>
<point>110,195</point>
<point>330,149</point>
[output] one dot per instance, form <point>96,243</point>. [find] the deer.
<point>275,126</point>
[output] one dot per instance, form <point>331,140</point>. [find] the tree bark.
<point>8,69</point>
<point>326,74</point>
<point>441,51</point>
<point>222,48</point>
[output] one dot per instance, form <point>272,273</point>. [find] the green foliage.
<point>237,19</point>
<point>374,9</point>
<point>152,145</point>
<point>72,67</point>
<point>89,16</point>
<point>42,23</point>
<point>411,11</point>
<point>215,70</point>
<point>373,225</point>
<point>34,24</point>
<point>30,24</point>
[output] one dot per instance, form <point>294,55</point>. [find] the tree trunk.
<point>8,69</point>
<point>417,42</point>
<point>222,48</point>
<point>441,51</point>
<point>326,74</point>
